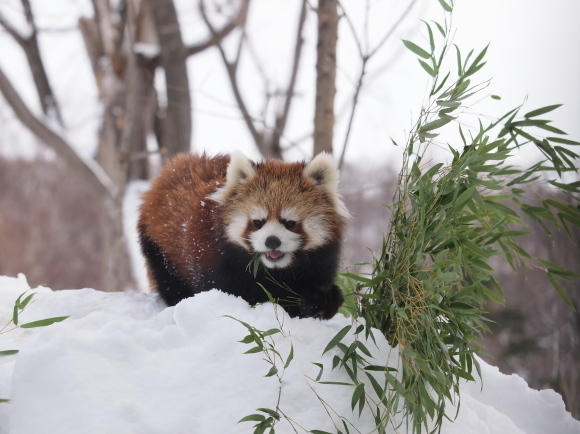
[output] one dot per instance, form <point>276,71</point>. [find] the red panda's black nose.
<point>273,242</point>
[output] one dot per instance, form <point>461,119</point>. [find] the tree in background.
<point>126,43</point>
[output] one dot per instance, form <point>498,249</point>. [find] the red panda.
<point>205,219</point>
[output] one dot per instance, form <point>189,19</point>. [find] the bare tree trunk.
<point>176,129</point>
<point>325,75</point>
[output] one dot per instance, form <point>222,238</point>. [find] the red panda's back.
<point>176,214</point>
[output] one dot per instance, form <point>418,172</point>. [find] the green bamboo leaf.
<point>446,6</point>
<point>248,340</point>
<point>254,350</point>
<point>376,386</point>
<point>476,66</point>
<point>557,270</point>
<point>464,374</point>
<point>253,418</point>
<point>560,291</point>
<point>43,322</point>
<point>551,129</point>
<point>441,30</point>
<point>356,277</point>
<point>431,39</point>
<point>272,413</point>
<point>433,125</point>
<point>8,352</point>
<point>271,332</point>
<point>542,110</point>
<point>463,198</point>
<point>25,302</point>
<point>357,395</point>
<point>450,104</point>
<point>273,371</point>
<point>15,314</point>
<point>416,49</point>
<point>3,401</point>
<point>448,277</point>
<point>409,353</point>
<point>290,356</point>
<point>563,141</point>
<point>321,367</point>
<point>336,383</point>
<point>336,339</point>
<point>379,368</point>
<point>401,313</point>
<point>432,72</point>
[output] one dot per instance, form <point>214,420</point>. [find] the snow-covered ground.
<point>124,363</point>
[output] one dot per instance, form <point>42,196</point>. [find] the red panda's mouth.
<point>274,255</point>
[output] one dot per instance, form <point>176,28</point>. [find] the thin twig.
<point>281,120</point>
<point>231,69</point>
<point>365,57</point>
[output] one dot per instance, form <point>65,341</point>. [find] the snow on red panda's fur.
<point>204,218</point>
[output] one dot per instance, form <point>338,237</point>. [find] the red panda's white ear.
<point>239,170</point>
<point>324,172</point>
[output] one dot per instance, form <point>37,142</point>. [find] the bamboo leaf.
<point>445,6</point>
<point>290,356</point>
<point>416,49</point>
<point>272,413</point>
<point>542,111</point>
<point>336,339</point>
<point>560,291</point>
<point>43,322</point>
<point>253,418</point>
<point>432,72</point>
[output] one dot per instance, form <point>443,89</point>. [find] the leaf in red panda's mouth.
<point>274,255</point>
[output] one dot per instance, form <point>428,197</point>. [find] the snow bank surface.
<point>124,363</point>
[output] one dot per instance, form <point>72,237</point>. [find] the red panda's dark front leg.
<point>322,303</point>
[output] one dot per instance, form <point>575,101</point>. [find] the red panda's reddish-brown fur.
<point>203,219</point>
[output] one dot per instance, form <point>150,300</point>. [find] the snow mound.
<point>125,363</point>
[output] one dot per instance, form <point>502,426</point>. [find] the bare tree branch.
<point>88,170</point>
<point>11,30</point>
<point>365,56</point>
<point>283,118</point>
<point>325,75</point>
<point>214,39</point>
<point>29,45</point>
<point>231,68</point>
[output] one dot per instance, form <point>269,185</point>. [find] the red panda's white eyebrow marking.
<point>290,214</point>
<point>259,213</point>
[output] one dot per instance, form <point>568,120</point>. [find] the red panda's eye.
<point>258,223</point>
<point>289,224</point>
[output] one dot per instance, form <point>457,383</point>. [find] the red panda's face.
<point>281,209</point>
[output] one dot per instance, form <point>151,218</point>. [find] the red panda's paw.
<point>322,303</point>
